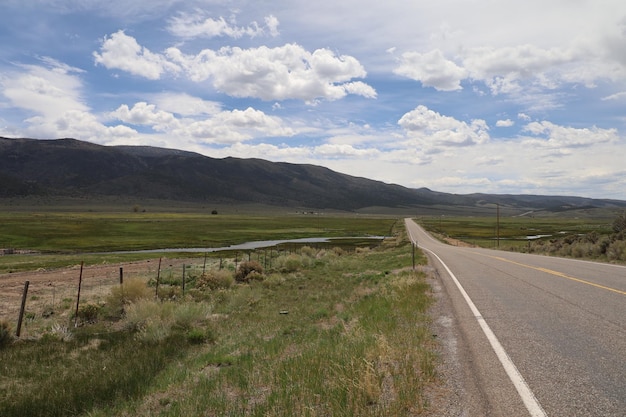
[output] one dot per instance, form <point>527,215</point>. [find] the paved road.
<point>543,336</point>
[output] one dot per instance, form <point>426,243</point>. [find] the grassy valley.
<point>322,331</point>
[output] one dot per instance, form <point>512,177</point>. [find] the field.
<point>590,237</point>
<point>316,330</point>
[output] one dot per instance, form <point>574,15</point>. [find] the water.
<point>251,245</point>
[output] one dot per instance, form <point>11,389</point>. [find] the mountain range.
<point>73,168</point>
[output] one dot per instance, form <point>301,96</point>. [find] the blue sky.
<point>457,96</point>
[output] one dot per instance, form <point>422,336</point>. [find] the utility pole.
<point>498,225</point>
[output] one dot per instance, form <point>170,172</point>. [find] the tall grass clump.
<point>6,337</point>
<point>123,295</point>
<point>155,321</point>
<point>215,279</point>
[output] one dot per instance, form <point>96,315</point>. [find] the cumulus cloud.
<point>505,123</point>
<point>143,113</point>
<point>524,70</point>
<point>513,63</point>
<point>121,51</point>
<point>224,127</point>
<point>439,130</point>
<point>432,69</point>
<point>335,151</point>
<point>285,72</point>
<point>193,25</point>
<point>550,135</point>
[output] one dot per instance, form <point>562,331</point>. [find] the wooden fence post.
<point>19,320</point>
<point>121,276</point>
<point>80,283</point>
<point>183,280</point>
<point>157,280</point>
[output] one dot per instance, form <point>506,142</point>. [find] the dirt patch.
<point>52,293</point>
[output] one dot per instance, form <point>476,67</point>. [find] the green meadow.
<point>66,238</point>
<point>590,237</point>
<point>322,331</point>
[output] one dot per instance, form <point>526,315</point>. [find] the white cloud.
<point>143,113</point>
<point>514,62</point>
<point>557,137</point>
<point>434,129</point>
<point>432,69</point>
<point>196,24</point>
<point>524,72</point>
<point>49,91</point>
<point>77,124</point>
<point>185,104</point>
<point>225,127</point>
<point>505,123</point>
<point>121,51</point>
<point>335,151</point>
<point>286,72</point>
<point>617,96</point>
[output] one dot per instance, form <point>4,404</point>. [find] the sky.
<point>459,96</point>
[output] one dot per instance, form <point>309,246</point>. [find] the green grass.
<point>342,334</point>
<point>67,238</point>
<point>483,231</point>
<point>90,232</point>
<point>57,378</point>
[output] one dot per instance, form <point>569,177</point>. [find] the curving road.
<point>535,335</point>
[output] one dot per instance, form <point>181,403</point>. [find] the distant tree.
<point>619,224</point>
<point>214,212</point>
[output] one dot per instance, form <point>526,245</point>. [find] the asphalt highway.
<point>537,335</point>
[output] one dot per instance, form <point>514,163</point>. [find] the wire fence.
<point>36,300</point>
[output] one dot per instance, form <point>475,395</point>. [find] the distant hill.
<point>72,168</point>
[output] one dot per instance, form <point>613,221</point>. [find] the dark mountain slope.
<point>71,167</point>
<point>68,167</point>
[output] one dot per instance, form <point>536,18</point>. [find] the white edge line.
<point>529,399</point>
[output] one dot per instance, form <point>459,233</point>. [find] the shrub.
<point>619,224</point>
<point>308,251</point>
<point>6,337</point>
<point>246,268</point>
<point>214,280</point>
<point>254,276</point>
<point>88,313</point>
<point>131,291</point>
<point>289,263</point>
<point>198,336</point>
<point>616,251</point>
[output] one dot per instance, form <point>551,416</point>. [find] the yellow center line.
<point>558,274</point>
